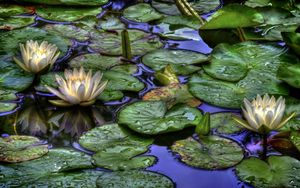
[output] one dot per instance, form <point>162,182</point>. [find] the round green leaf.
<point>248,17</point>
<point>126,68</point>
<point>180,32</point>
<point>182,21</point>
<point>276,171</point>
<point>13,10</point>
<point>290,74</point>
<point>15,22</point>
<point>110,43</point>
<point>224,123</point>
<point>66,14</point>
<point>134,179</point>
<point>182,61</point>
<point>153,117</point>
<point>8,95</point>
<point>9,41</point>
<point>5,107</point>
<point>67,31</point>
<point>211,152</point>
<point>95,62</point>
<point>165,8</point>
<point>292,39</point>
<point>68,2</point>
<point>111,22</point>
<point>295,138</point>
<point>141,12</point>
<point>21,148</point>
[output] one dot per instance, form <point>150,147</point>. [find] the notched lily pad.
<point>15,22</point>
<point>21,148</point>
<point>13,10</point>
<point>134,179</point>
<point>182,61</point>
<point>276,171</point>
<point>141,12</point>
<point>67,31</point>
<point>211,152</point>
<point>153,117</point>
<point>68,2</point>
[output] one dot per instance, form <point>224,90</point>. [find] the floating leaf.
<point>111,22</point>
<point>152,117</point>
<point>141,12</point>
<point>21,148</point>
<point>182,21</point>
<point>177,33</point>
<point>292,39</point>
<point>67,31</point>
<point>68,2</point>
<point>276,171</point>
<point>126,68</point>
<point>134,178</point>
<point>248,17</point>
<point>290,74</point>
<point>211,152</point>
<point>15,22</point>
<point>39,170</point>
<point>117,147</point>
<point>66,14</point>
<point>295,138</point>
<point>224,123</point>
<point>9,41</point>
<point>5,107</point>
<point>13,10</point>
<point>172,94</point>
<point>165,8</point>
<point>110,42</point>
<point>182,61</point>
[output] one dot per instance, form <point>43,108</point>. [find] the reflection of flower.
<point>78,87</point>
<point>264,114</point>
<point>35,57</point>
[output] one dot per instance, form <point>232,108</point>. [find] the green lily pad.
<point>9,41</point>
<point>292,39</point>
<point>15,22</point>
<point>12,76</point>
<point>165,8</point>
<point>290,74</point>
<point>248,17</point>
<point>108,95</point>
<point>295,138</point>
<point>141,12</point>
<point>66,14</point>
<point>172,94</point>
<point>182,21</point>
<point>68,2</point>
<point>182,61</point>
<point>111,22</point>
<point>117,147</point>
<point>21,148</point>
<point>126,68</point>
<point>8,95</point>
<point>13,10</point>
<point>67,31</point>
<point>95,62</point>
<point>211,152</point>
<point>5,107</point>
<point>224,123</point>
<point>153,117</point>
<point>276,171</point>
<point>177,32</point>
<point>286,4</point>
<point>110,42</point>
<point>38,170</point>
<point>134,179</point>
<point>203,6</point>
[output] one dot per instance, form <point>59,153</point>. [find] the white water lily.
<point>37,57</point>
<point>78,88</point>
<point>264,114</point>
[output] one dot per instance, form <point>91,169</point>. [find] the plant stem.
<point>265,146</point>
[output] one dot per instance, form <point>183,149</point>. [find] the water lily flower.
<point>37,57</point>
<point>78,88</point>
<point>264,114</point>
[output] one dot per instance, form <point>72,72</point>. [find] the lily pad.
<point>5,107</point>
<point>12,76</point>
<point>141,12</point>
<point>182,61</point>
<point>153,117</point>
<point>108,95</point>
<point>21,148</point>
<point>178,32</point>
<point>48,166</point>
<point>111,22</point>
<point>110,42</point>
<point>126,68</point>
<point>67,31</point>
<point>9,41</point>
<point>182,21</point>
<point>68,2</point>
<point>290,74</point>
<point>172,94</point>
<point>240,71</point>
<point>224,123</point>
<point>95,62</point>
<point>248,17</point>
<point>292,39</point>
<point>8,95</point>
<point>66,14</point>
<point>211,152</point>
<point>117,147</point>
<point>13,10</point>
<point>165,8</point>
<point>276,171</point>
<point>15,22</point>
<point>134,179</point>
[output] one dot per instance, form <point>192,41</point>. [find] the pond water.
<point>62,127</point>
